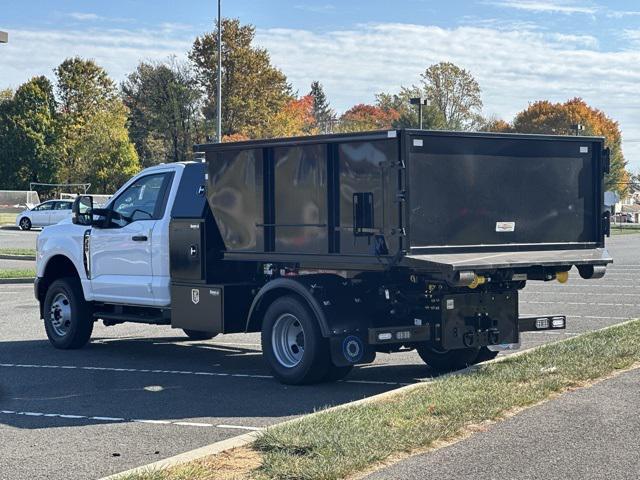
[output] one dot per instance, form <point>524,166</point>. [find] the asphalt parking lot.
<point>138,394</point>
<point>14,238</point>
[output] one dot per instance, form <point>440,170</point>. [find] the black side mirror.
<point>82,210</point>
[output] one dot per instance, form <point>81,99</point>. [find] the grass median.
<point>346,441</point>
<point>30,252</point>
<point>17,273</point>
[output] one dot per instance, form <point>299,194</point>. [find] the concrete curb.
<point>198,453</point>
<point>246,439</point>
<point>17,257</point>
<point>11,281</point>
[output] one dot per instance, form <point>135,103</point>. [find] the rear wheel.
<point>442,360</point>
<point>198,335</point>
<point>67,315</point>
<point>293,345</point>
<point>25,224</point>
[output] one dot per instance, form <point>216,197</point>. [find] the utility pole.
<point>4,37</point>
<point>219,102</point>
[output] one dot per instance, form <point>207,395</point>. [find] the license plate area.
<point>478,319</point>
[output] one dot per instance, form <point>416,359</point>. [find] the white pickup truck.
<point>331,249</point>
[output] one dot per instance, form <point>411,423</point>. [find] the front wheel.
<point>293,345</point>
<point>442,360</point>
<point>25,224</point>
<point>67,315</point>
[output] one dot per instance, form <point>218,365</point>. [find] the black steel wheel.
<point>443,361</point>
<point>25,223</point>
<point>292,343</point>
<point>68,318</point>
<point>198,335</point>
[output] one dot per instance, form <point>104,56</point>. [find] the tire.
<point>197,335</point>
<point>293,345</point>
<point>447,360</point>
<point>25,223</point>
<point>67,315</point>
<point>484,355</point>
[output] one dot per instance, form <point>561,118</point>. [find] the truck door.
<point>121,254</point>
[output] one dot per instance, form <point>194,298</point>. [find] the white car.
<point>47,213</point>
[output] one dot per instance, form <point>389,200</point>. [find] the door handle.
<point>139,238</point>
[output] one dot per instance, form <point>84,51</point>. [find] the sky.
<point>520,51</point>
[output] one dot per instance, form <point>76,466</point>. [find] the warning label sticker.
<point>505,226</point>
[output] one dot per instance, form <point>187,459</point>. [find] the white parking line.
<point>612,294</point>
<point>178,372</point>
<point>582,303</point>
<point>124,420</point>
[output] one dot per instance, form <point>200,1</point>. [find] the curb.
<point>17,257</point>
<point>208,450</point>
<point>248,438</point>
<point>10,281</point>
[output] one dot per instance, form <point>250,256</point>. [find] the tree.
<point>165,118</point>
<point>295,119</point>
<point>560,118</point>
<point>28,135</point>
<point>367,117</point>
<point>495,124</point>
<point>254,90</point>
<point>408,113</point>
<point>95,143</point>
<point>455,93</point>
<point>324,116</point>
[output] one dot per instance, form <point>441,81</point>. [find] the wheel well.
<point>58,266</point>
<point>254,323</point>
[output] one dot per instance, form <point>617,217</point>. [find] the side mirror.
<point>82,210</point>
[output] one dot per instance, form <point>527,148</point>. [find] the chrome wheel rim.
<point>60,314</point>
<point>24,223</point>
<point>287,340</point>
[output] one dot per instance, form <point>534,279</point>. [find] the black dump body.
<point>434,202</point>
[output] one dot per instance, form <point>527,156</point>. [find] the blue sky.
<point>519,50</point>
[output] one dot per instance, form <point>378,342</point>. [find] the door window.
<point>62,206</point>
<point>43,207</point>
<point>144,199</point>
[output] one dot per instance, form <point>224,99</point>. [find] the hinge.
<point>401,196</point>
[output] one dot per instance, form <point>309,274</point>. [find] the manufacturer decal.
<point>195,296</point>
<point>502,227</point>
<point>450,304</point>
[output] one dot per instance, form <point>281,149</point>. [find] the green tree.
<point>455,94</point>
<point>324,116</point>
<point>407,113</point>
<point>165,118</point>
<point>28,135</point>
<point>94,141</point>
<point>253,89</point>
<point>545,117</point>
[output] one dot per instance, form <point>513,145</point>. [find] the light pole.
<point>420,101</point>
<point>219,102</point>
<point>4,37</point>
<point>577,128</point>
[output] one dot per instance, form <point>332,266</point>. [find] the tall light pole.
<point>4,37</point>
<point>219,102</point>
<point>419,101</point>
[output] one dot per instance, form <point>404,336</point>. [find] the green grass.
<point>625,230</point>
<point>18,251</point>
<point>17,273</point>
<point>6,218</point>
<point>346,441</point>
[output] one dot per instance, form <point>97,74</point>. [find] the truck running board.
<point>112,318</point>
<point>535,323</point>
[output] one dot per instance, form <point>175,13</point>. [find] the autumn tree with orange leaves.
<point>545,117</point>
<point>367,117</point>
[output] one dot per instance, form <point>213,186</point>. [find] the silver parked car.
<point>47,213</point>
